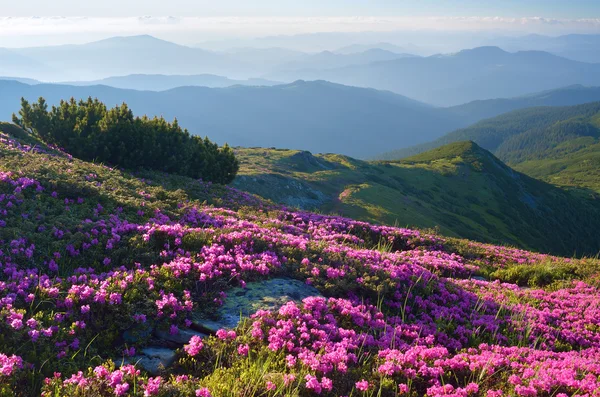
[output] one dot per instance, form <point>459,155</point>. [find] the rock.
<point>263,295</point>
<point>181,338</point>
<point>141,331</point>
<point>152,359</point>
<point>206,325</point>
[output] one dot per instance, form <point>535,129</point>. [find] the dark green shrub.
<point>90,131</point>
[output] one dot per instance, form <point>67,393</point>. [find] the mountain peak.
<point>137,40</point>
<point>468,151</point>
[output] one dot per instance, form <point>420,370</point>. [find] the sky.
<point>129,8</point>
<point>43,22</point>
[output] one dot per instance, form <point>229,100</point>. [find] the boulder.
<point>262,295</point>
<point>152,359</point>
<point>182,337</point>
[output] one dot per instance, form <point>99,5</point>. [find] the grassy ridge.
<point>460,188</point>
<point>558,145</point>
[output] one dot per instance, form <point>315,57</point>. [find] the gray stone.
<point>152,359</point>
<point>182,337</point>
<point>139,332</point>
<point>263,295</point>
<point>206,325</point>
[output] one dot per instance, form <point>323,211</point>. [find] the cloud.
<point>18,30</point>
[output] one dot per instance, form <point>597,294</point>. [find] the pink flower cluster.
<point>411,316</point>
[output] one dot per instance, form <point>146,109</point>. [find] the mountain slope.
<point>316,116</point>
<point>461,188</point>
<point>142,285</point>
<point>565,96</point>
<point>558,144</point>
<point>445,80</point>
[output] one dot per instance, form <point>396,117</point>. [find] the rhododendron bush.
<point>95,262</point>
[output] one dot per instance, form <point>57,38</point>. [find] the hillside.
<point>316,116</point>
<point>460,188</point>
<point>116,284</point>
<point>453,79</point>
<point>560,145</point>
<point>475,111</point>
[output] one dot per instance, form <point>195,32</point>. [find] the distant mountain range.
<point>566,96</point>
<point>445,80</point>
<point>558,144</point>
<point>355,48</point>
<point>119,56</point>
<point>332,60</point>
<point>315,116</point>
<point>122,56</point>
<point>462,188</point>
<point>579,47</point>
<point>161,82</point>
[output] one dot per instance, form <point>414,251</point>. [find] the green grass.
<point>560,145</point>
<point>578,169</point>
<point>460,188</point>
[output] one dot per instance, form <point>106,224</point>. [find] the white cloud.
<point>19,31</point>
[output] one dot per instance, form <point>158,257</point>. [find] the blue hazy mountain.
<point>579,47</point>
<point>480,73</point>
<point>126,55</point>
<point>332,60</point>
<point>161,82</point>
<point>316,116</point>
<point>13,63</point>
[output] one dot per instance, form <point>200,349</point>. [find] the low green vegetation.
<point>549,273</point>
<point>461,189</point>
<point>557,145</point>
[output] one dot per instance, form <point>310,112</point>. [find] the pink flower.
<point>312,383</point>
<point>121,389</point>
<point>326,383</point>
<point>270,385</point>
<point>243,350</point>
<point>203,392</point>
<point>362,385</point>
<point>153,386</point>
<point>194,347</point>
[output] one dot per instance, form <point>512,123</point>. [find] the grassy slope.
<point>451,189</point>
<point>231,373</point>
<point>558,145</point>
<point>460,188</point>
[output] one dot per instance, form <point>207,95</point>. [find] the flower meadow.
<point>95,262</point>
